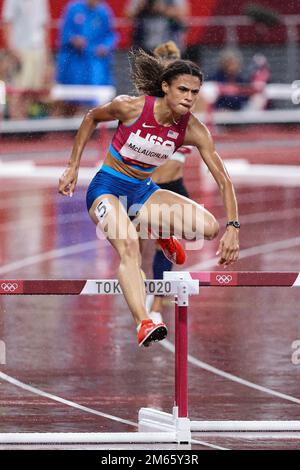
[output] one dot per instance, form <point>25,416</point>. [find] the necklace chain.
<point>175,122</point>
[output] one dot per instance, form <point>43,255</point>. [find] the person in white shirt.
<point>26,36</point>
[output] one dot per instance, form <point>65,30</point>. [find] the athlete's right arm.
<point>123,108</point>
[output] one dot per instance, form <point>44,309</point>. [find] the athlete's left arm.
<point>198,135</point>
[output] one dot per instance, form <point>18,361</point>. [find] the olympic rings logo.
<point>223,278</point>
<point>9,286</point>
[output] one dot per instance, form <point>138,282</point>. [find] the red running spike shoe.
<point>172,249</point>
<point>149,332</point>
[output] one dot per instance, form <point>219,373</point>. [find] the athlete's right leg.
<point>110,216</point>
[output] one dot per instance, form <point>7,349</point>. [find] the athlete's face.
<point>182,93</point>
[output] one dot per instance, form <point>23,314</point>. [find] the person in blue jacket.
<point>87,41</point>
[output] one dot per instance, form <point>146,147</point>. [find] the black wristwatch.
<point>234,223</point>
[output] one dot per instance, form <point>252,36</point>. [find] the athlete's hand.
<point>229,247</point>
<point>67,181</point>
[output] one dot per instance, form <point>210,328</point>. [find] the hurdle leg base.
<point>151,420</point>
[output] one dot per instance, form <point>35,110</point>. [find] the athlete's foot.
<point>172,249</point>
<point>149,332</point>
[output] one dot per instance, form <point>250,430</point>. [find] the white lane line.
<point>207,444</point>
<point>41,393</point>
<point>50,396</point>
<point>72,217</point>
<point>261,144</point>
<point>250,197</point>
<point>268,247</point>
<point>240,171</point>
<point>270,216</point>
<point>29,170</point>
<point>52,254</point>
<point>169,346</point>
<point>39,156</point>
<point>203,365</point>
<point>43,222</point>
<point>252,251</point>
<point>82,247</point>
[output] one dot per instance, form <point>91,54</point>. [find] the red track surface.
<point>83,349</point>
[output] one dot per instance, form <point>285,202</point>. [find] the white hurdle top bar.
<point>167,286</point>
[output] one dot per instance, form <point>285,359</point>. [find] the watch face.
<point>234,224</point>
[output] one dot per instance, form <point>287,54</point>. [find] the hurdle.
<point>153,419</point>
<point>155,426</point>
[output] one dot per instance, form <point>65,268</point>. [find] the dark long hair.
<point>149,71</point>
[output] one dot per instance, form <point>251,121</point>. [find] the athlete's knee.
<point>212,228</point>
<point>130,250</point>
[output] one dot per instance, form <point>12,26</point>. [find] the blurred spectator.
<point>7,66</point>
<point>157,21</point>
<point>26,37</point>
<point>260,71</point>
<point>7,71</point>
<point>87,41</point>
<point>259,77</point>
<point>229,73</point>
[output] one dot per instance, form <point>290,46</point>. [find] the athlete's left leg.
<point>168,213</point>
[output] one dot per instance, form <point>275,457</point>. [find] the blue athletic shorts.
<point>132,193</point>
